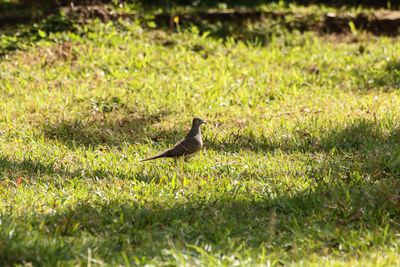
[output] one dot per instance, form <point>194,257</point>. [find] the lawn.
<point>300,165</point>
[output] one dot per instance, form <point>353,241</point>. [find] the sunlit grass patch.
<point>300,160</point>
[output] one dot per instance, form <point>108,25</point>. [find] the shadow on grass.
<point>14,168</point>
<point>293,224</point>
<point>348,198</point>
<point>364,141</point>
<point>111,130</point>
<point>246,23</point>
<point>29,168</point>
<point>15,38</point>
<point>360,146</point>
<point>356,135</point>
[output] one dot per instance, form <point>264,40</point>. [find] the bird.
<point>187,147</point>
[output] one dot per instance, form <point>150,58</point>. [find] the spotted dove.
<point>187,147</point>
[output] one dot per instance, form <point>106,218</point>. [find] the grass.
<point>300,164</point>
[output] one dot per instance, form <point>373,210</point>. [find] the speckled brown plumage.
<point>187,147</point>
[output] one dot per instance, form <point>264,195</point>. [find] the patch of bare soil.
<point>378,23</point>
<point>50,55</point>
<point>84,12</point>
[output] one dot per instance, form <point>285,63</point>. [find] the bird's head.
<point>198,122</point>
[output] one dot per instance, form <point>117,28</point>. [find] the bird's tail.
<point>153,157</point>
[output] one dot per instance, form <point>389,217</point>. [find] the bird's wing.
<point>183,147</point>
<point>186,146</point>
<point>191,145</point>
